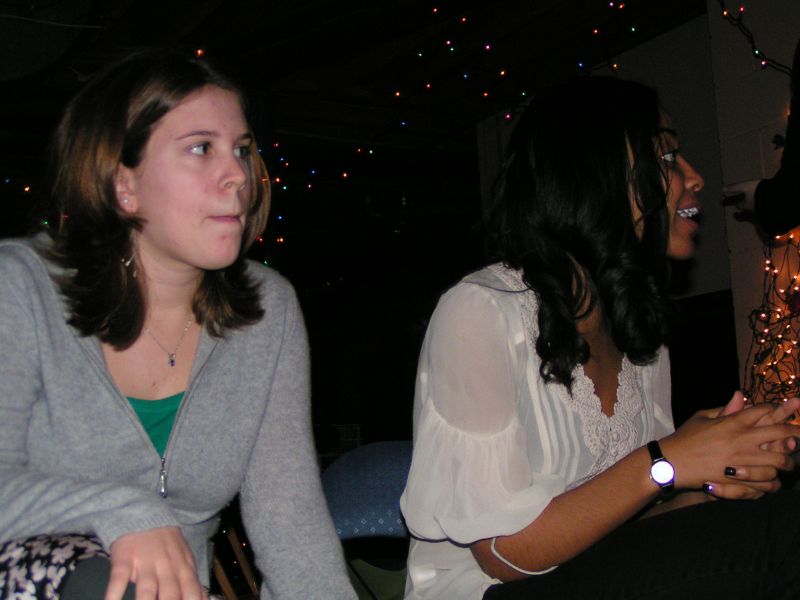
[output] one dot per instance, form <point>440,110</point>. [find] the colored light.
<point>435,10</point>
<point>502,72</point>
<point>447,42</point>
<point>397,93</point>
<point>595,31</point>
<point>199,52</point>
<point>345,175</point>
<point>485,94</point>
<point>427,86</point>
<point>508,116</point>
<point>463,19</point>
<point>487,47</point>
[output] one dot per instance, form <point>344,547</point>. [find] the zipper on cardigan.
<point>162,478</point>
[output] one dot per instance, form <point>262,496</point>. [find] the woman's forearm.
<point>574,521</point>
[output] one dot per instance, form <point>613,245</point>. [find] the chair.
<point>233,572</point>
<point>363,488</point>
<point>227,588</point>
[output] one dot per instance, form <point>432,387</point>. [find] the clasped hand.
<point>734,452</point>
<point>159,562</point>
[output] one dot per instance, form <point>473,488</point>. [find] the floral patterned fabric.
<point>35,568</point>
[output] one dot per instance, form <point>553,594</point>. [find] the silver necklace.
<point>171,355</point>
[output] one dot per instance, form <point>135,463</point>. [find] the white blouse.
<point>494,443</point>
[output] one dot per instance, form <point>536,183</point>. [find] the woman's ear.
<point>125,190</point>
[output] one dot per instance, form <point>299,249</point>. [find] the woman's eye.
<point>200,149</point>
<point>670,158</point>
<point>241,151</point>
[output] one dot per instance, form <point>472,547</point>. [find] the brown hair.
<point>107,124</point>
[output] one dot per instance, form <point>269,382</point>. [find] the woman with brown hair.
<point>149,372</point>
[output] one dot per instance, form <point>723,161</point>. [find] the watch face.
<point>662,472</point>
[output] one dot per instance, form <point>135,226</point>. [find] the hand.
<point>753,440</point>
<point>753,482</point>
<point>788,408</point>
<point>159,562</point>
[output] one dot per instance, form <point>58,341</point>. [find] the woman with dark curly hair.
<point>543,431</point>
<point>149,373</point>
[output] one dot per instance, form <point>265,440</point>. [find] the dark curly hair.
<point>107,124</point>
<point>561,213</point>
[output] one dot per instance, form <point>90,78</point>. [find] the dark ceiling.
<point>325,70</point>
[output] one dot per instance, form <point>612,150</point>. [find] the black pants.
<point>716,550</point>
<point>89,581</point>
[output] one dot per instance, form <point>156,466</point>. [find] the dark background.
<point>388,92</point>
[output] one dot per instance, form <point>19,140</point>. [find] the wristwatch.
<point>661,470</point>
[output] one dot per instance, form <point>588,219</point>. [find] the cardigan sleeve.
<point>283,507</point>
<point>33,502</point>
<point>470,476</point>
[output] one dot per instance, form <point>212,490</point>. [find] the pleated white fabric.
<point>494,443</point>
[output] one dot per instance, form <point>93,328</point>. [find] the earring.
<point>124,199</point>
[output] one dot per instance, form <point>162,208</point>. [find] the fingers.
<point>766,434</point>
<point>781,412</point>
<point>118,581</point>
<point>734,405</point>
<point>784,446</point>
<point>159,562</point>
<point>751,474</point>
<point>737,491</point>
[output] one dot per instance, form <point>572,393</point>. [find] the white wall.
<point>752,106</point>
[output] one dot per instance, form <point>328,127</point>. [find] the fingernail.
<point>730,471</point>
<point>708,488</point>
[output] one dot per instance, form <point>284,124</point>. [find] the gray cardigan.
<point>75,458</point>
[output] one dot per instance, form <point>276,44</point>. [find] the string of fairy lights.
<point>773,370</point>
<point>773,359</point>
<point>736,19</point>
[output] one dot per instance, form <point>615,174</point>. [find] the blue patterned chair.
<point>363,488</point>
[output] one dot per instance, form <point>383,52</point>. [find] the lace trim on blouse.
<point>607,438</point>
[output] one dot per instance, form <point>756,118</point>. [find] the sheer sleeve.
<point>470,476</point>
<point>661,393</point>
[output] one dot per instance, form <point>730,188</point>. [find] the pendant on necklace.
<point>171,360</point>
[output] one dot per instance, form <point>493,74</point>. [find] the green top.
<point>157,417</point>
